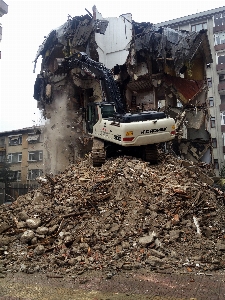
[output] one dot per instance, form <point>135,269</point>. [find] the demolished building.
<point>155,68</point>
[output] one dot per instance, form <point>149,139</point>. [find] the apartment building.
<point>214,21</point>
<point>3,11</point>
<point>23,149</point>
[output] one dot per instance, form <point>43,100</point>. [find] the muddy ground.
<point>140,284</point>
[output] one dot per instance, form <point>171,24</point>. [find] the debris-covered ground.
<point>125,215</point>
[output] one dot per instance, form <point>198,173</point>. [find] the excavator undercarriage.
<point>98,152</point>
<point>102,150</point>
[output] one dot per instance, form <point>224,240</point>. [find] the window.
<point>31,156</point>
<point>211,102</point>
<point>222,98</point>
<point>17,175</point>
<point>33,174</point>
<point>2,142</point>
<point>213,122</point>
<point>198,27</point>
<point>219,38</point>
<point>35,155</point>
<point>221,78</point>
<point>219,19</point>
<point>223,118</point>
<point>15,157</point>
<point>40,155</point>
<point>209,82</point>
<point>214,142</point>
<point>2,156</point>
<point>19,157</point>
<point>216,164</point>
<point>10,157</point>
<point>15,140</point>
<point>107,111</point>
<point>220,58</point>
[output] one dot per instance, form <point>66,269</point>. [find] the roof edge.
<point>187,18</point>
<point>20,131</point>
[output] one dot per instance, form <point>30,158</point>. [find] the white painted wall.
<point>146,99</point>
<point>112,44</point>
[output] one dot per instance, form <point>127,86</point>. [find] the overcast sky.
<point>28,21</point>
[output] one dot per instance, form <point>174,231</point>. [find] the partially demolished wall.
<point>156,69</point>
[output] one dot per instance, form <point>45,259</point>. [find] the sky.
<point>29,21</point>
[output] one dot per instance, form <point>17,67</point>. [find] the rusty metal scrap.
<point>186,90</point>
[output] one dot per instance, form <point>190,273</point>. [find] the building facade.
<point>23,150</point>
<point>3,11</point>
<point>214,21</point>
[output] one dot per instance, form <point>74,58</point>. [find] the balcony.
<point>222,107</point>
<point>219,47</point>
<point>219,22</point>
<point>3,8</point>
<point>221,88</point>
<point>220,27</point>
<point>220,68</point>
<point>2,147</point>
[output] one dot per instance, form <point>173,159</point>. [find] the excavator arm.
<point>84,62</point>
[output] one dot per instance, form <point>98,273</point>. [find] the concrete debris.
<point>122,216</point>
<point>27,236</point>
<point>33,223</point>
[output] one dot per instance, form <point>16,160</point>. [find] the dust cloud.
<point>60,135</point>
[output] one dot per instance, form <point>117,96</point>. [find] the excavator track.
<point>98,153</point>
<point>151,153</point>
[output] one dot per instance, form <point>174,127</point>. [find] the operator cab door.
<point>91,116</point>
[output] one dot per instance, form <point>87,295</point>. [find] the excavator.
<point>113,129</point>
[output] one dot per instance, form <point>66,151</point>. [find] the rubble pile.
<point>127,214</point>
